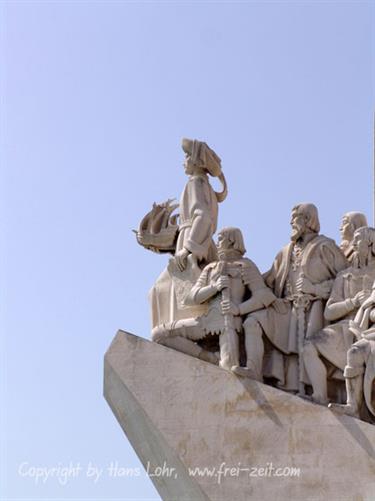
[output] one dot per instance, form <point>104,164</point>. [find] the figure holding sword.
<point>232,286</point>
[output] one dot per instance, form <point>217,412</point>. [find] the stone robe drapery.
<point>243,270</point>
<point>320,262</point>
<point>198,222</point>
<point>198,218</point>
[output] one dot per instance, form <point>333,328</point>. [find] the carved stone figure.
<point>212,303</point>
<point>199,203</point>
<point>351,221</point>
<point>231,286</point>
<point>351,288</point>
<point>359,371</point>
<point>301,278</point>
<point>194,246</point>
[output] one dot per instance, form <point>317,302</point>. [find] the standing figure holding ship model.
<point>190,241</point>
<point>199,204</point>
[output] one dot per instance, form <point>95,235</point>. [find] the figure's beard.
<point>297,233</point>
<point>359,260</point>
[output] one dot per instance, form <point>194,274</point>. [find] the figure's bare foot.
<point>341,409</point>
<point>244,372</point>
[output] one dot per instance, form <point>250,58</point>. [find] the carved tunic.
<point>320,260</point>
<point>198,218</point>
<point>245,277</point>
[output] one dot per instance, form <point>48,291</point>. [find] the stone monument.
<point>253,386</point>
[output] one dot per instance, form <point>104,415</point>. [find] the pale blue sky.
<point>95,99</point>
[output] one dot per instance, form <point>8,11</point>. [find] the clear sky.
<point>96,97</point>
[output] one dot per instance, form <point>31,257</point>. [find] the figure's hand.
<point>181,259</point>
<point>370,300</point>
<point>227,307</point>
<point>360,298</point>
<point>370,336</point>
<point>223,282</point>
<point>304,286</point>
<point>280,306</point>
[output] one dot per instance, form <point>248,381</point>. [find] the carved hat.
<point>202,156</point>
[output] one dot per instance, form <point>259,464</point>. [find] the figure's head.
<point>230,241</point>
<point>305,219</point>
<point>351,221</point>
<point>189,165</point>
<point>363,246</point>
<point>200,158</point>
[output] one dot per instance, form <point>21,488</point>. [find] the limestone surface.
<point>204,433</point>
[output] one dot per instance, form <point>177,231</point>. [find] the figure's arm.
<point>334,261</point>
<point>320,290</point>
<point>261,299</point>
<point>204,289</point>
<point>201,221</point>
<point>370,333</point>
<point>261,295</point>
<point>201,215</point>
<point>270,276</point>
<point>335,310</point>
<point>200,231</point>
<point>369,300</point>
<point>201,290</point>
<point>338,306</point>
<point>333,258</point>
<point>200,295</point>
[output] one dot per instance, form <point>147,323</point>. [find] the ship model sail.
<point>159,228</point>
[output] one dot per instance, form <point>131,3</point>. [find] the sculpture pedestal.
<point>206,434</point>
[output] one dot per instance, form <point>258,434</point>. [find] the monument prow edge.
<point>203,433</point>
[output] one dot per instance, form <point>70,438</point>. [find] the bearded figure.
<point>301,278</point>
<point>326,350</point>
